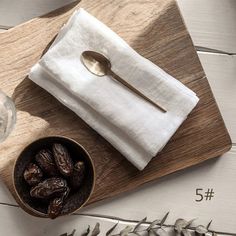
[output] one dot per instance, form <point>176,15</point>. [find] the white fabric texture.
<point>132,125</point>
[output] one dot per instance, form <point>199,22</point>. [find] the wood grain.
<point>155,29</point>
<point>221,70</point>
<point>211,22</point>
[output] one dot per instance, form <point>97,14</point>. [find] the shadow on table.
<point>61,10</point>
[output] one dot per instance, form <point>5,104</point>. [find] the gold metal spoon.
<point>99,65</point>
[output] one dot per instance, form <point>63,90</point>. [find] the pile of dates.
<point>52,176</point>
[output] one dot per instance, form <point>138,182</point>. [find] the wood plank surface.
<point>170,188</point>
<point>173,193</point>
<point>15,12</point>
<point>221,71</point>
<point>211,23</point>
<point>16,222</point>
<point>177,193</point>
<point>38,112</point>
<point>215,65</point>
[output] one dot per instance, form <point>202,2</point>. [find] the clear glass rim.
<point>11,116</point>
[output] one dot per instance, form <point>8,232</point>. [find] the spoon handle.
<point>116,77</point>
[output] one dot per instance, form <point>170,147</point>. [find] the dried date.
<point>55,207</point>
<point>65,194</point>
<point>33,174</point>
<point>63,160</point>
<point>78,174</point>
<point>49,188</point>
<point>45,160</point>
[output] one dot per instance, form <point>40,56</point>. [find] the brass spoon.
<point>99,65</point>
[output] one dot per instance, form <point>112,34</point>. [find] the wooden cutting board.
<point>156,30</point>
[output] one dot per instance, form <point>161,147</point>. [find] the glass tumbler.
<point>7,116</point>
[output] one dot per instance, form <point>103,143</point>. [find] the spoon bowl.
<point>96,63</point>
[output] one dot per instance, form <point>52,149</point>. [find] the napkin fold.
<point>132,125</point>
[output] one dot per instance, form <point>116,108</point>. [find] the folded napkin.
<point>133,126</point>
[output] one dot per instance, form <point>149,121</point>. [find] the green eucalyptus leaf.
<point>209,224</point>
<point>201,230</point>
<point>126,230</point>
<point>87,231</point>
<point>134,234</point>
<point>139,224</point>
<point>152,232</point>
<point>154,223</point>
<point>178,233</point>
<point>186,232</point>
<point>72,233</point>
<point>162,232</point>
<point>111,229</point>
<point>96,230</point>
<point>189,223</point>
<point>180,224</point>
<point>164,219</point>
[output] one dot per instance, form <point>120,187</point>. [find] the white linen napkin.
<point>133,126</point>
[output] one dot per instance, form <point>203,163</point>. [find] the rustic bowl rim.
<point>30,209</point>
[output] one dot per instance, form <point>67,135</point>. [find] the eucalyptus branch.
<point>155,228</point>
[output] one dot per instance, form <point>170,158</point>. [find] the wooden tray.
<point>156,30</point>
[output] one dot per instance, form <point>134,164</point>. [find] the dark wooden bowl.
<point>75,200</point>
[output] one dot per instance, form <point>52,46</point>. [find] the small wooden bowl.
<point>75,200</point>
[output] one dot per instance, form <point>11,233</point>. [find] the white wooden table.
<point>212,25</point>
